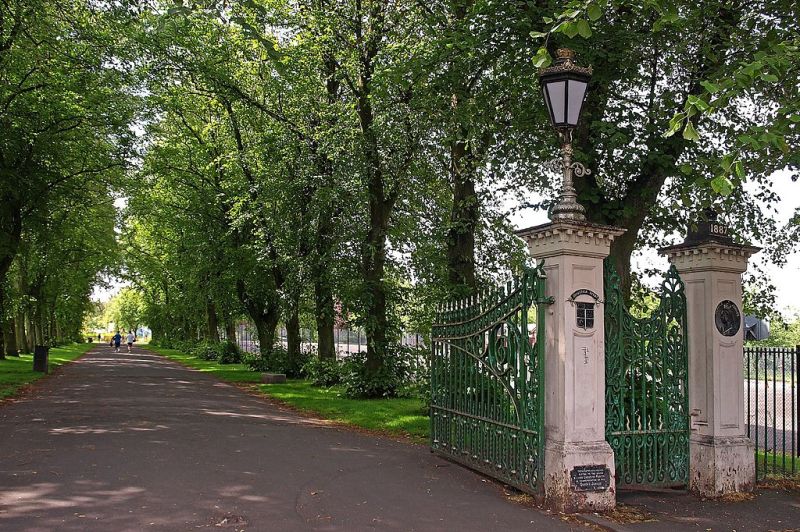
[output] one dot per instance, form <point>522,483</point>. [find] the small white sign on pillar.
<point>578,462</point>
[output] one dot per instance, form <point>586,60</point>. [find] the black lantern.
<point>564,85</point>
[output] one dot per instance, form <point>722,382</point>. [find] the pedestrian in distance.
<point>130,339</point>
<point>117,340</point>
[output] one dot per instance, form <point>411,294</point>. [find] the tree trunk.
<point>323,295</point>
<point>293,334</point>
<point>3,338</point>
<point>230,331</point>
<point>464,216</point>
<point>31,332</point>
<point>11,338</point>
<point>373,264</point>
<point>373,251</point>
<point>213,323</point>
<point>265,316</point>
<point>22,340</point>
<point>10,237</point>
<point>266,324</point>
<point>37,333</point>
<point>376,324</point>
<point>57,333</point>
<point>325,319</point>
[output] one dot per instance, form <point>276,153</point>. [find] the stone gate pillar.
<point>578,462</point>
<point>721,456</point>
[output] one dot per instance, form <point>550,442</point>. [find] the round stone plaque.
<point>728,318</point>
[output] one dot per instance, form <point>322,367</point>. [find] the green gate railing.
<point>647,404</point>
<point>487,375</point>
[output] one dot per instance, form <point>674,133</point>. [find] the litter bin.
<point>40,356</point>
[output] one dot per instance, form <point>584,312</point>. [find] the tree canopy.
<point>343,161</point>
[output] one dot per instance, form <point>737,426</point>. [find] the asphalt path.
<point>136,442</point>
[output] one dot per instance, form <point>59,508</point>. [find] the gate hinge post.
<point>721,457</point>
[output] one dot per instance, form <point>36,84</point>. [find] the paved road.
<point>136,442</point>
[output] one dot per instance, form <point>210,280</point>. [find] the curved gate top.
<point>487,375</point>
<point>647,402</point>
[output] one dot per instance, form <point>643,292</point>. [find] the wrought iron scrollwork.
<point>647,408</point>
<point>486,380</point>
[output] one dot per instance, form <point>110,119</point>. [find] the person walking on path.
<point>117,340</point>
<point>130,339</point>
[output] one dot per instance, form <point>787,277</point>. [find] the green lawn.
<point>225,372</point>
<point>395,416</point>
<point>17,372</point>
<point>777,464</point>
<point>403,417</point>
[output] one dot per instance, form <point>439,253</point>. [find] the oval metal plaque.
<point>727,318</point>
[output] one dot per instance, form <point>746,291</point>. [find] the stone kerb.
<point>721,457</point>
<point>578,462</point>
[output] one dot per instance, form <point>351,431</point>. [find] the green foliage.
<point>126,310</point>
<point>404,373</point>
<point>324,371</point>
<point>782,333</point>
<point>280,360</point>
<point>230,353</point>
<point>223,352</point>
<point>205,351</point>
<point>65,84</point>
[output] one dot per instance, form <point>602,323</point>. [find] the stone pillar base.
<point>560,494</point>
<point>721,465</point>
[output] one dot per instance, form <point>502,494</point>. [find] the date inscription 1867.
<point>590,478</point>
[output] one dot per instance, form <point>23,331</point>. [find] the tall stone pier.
<point>721,456</point>
<point>578,462</point>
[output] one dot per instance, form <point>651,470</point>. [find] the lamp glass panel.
<point>547,102</point>
<point>577,91</point>
<point>557,99</point>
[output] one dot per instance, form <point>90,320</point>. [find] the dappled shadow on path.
<point>132,442</point>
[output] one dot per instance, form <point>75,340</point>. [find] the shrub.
<point>256,362</point>
<point>205,351</point>
<point>229,353</point>
<point>171,343</point>
<point>280,361</point>
<point>404,373</point>
<point>323,371</point>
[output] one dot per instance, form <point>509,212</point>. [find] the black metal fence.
<point>773,404</point>
<point>347,341</point>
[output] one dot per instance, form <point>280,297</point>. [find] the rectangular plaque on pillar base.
<point>590,478</point>
<point>577,476</point>
<point>721,465</point>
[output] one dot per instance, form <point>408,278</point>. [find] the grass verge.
<point>236,373</point>
<point>400,417</point>
<point>775,463</point>
<point>18,372</point>
<point>396,417</point>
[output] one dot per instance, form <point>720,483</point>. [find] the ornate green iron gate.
<point>487,374</point>
<point>647,405</point>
